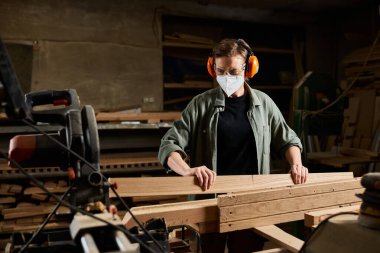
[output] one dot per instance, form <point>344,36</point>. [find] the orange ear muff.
<point>252,66</point>
<point>210,67</point>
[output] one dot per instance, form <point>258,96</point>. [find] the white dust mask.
<point>230,83</point>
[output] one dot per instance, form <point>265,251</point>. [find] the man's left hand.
<point>299,173</point>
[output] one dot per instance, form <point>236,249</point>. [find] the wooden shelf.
<point>188,41</point>
<point>206,46</point>
<point>188,45</point>
<point>192,85</point>
<point>273,50</point>
<point>178,100</point>
<point>272,87</point>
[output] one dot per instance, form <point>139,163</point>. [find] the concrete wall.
<point>110,50</point>
<point>106,50</point>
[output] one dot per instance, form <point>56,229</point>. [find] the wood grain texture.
<point>288,205</point>
<point>269,220</point>
<point>287,192</point>
<point>314,218</point>
<point>159,186</point>
<point>147,116</point>
<point>280,237</point>
<point>189,212</point>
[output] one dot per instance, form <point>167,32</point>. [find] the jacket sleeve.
<point>177,137</point>
<point>283,137</point>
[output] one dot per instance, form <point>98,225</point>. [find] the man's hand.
<point>299,173</point>
<point>206,177</point>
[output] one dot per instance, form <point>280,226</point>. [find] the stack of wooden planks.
<point>362,117</point>
<point>271,199</point>
<point>8,193</point>
<point>267,207</point>
<point>147,117</point>
<point>361,124</point>
<point>30,206</point>
<point>353,65</point>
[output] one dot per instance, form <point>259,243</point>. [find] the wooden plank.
<point>7,200</point>
<point>270,220</point>
<point>22,228</point>
<point>359,152</point>
<point>10,189</point>
<point>314,218</point>
<point>365,143</point>
<point>342,161</point>
<point>365,117</point>
<point>287,192</point>
<point>40,197</point>
<point>349,131</point>
<point>376,119</point>
<point>274,250</point>
<point>173,198</point>
<point>142,186</point>
<point>15,189</point>
<point>177,100</point>
<point>347,143</point>
<point>37,190</point>
<point>353,109</point>
<point>279,206</point>
<point>176,213</point>
<point>280,237</point>
<point>118,116</point>
<point>194,85</point>
<point>19,212</point>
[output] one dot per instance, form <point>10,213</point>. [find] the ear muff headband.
<point>251,64</point>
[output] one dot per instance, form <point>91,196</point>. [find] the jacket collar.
<point>220,97</point>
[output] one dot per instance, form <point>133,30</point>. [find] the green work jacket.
<point>194,135</point>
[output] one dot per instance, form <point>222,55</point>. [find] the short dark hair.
<point>231,47</point>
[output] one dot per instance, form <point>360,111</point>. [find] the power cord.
<point>50,194</point>
<point>47,219</point>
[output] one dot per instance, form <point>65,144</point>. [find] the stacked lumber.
<point>28,206</point>
<point>362,117</point>
<point>8,194</point>
<point>370,73</point>
<point>149,117</point>
<point>281,199</point>
<point>268,207</point>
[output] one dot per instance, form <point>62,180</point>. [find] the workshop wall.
<point>110,51</point>
<point>106,50</point>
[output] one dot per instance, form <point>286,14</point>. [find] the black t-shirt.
<point>236,143</point>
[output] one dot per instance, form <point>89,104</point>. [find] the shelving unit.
<point>187,43</point>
